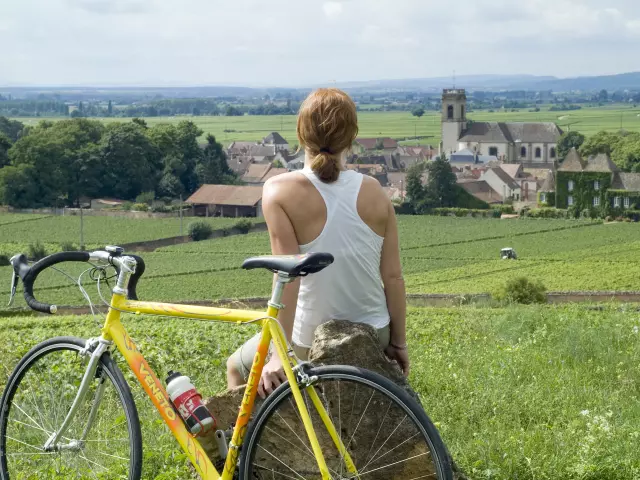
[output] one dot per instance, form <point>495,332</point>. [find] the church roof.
<point>274,138</point>
<point>572,163</point>
<point>542,132</point>
<point>486,132</point>
<point>549,184</point>
<point>600,163</point>
<point>626,181</point>
<point>510,132</point>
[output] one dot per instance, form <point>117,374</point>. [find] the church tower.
<point>454,118</point>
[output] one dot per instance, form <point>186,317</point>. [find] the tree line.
<point>622,147</point>
<point>58,163</point>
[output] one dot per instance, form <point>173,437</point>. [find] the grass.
<point>517,393</point>
<point>401,125</point>
<point>18,230</point>
<point>439,255</point>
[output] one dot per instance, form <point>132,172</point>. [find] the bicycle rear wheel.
<point>35,403</point>
<point>386,432</point>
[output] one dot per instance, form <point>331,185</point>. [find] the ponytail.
<point>326,166</point>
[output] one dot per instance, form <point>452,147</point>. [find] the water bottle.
<point>188,403</point>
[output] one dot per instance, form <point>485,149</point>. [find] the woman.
<point>326,208</point>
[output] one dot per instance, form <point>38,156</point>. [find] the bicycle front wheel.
<point>103,440</point>
<point>385,431</point>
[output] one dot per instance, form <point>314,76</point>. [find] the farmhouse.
<point>594,183</point>
<point>369,145</point>
<point>227,201</point>
<point>528,143</point>
<point>275,139</point>
<point>259,173</point>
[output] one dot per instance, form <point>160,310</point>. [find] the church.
<point>532,144</point>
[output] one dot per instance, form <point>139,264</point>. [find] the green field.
<point>19,230</point>
<point>439,255</point>
<point>401,124</point>
<point>536,393</point>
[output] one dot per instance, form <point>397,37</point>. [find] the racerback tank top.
<point>351,288</point>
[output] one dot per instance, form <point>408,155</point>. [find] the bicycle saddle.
<point>293,265</point>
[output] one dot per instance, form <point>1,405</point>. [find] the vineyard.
<point>17,231</point>
<point>439,255</point>
<point>523,392</point>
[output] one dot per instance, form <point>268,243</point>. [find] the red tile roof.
<point>235,195</point>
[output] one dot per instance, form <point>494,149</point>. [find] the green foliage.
<point>601,142</point>
<point>146,197</point>
<point>441,188</point>
<point>140,207</point>
<point>67,247</point>
<point>550,199</point>
<point>417,112</point>
<point>547,213</point>
<point>463,212</point>
<point>11,128</point>
<point>4,261</point>
<point>568,141</point>
<point>584,188</point>
<point>278,164</point>
<point>36,250</point>
<point>244,225</point>
<point>213,167</point>
<point>199,230</point>
<point>465,200</point>
<point>161,209</point>
<point>523,291</point>
<point>5,145</point>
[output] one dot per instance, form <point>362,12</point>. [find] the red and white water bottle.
<point>188,403</point>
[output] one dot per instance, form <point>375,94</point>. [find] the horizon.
<point>146,43</point>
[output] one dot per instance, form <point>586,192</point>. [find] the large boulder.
<point>335,343</point>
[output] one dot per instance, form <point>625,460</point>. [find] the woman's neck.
<point>308,159</point>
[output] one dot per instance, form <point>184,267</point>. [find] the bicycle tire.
<point>381,386</point>
<point>107,370</point>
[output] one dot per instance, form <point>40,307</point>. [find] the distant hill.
<point>623,81</point>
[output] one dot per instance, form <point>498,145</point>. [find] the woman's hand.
<point>400,355</point>
<point>272,377</point>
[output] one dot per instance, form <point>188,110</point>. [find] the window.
<point>627,202</point>
<point>450,112</point>
<point>543,198</point>
<point>596,201</point>
<point>538,152</point>
<point>596,185</point>
<point>552,152</point>
<point>523,152</point>
<point>461,111</point>
<point>569,200</point>
<point>616,202</point>
<point>570,185</point>
<point>493,151</point>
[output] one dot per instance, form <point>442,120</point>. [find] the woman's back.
<point>346,218</point>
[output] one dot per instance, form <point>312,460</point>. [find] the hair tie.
<point>325,150</point>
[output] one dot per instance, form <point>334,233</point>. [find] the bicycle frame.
<point>114,331</point>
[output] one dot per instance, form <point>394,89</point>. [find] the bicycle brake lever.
<point>14,286</point>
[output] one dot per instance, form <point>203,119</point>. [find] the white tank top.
<point>351,288</point>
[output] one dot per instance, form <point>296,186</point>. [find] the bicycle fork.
<point>95,348</point>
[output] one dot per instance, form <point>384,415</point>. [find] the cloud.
<point>280,42</point>
<point>332,9</point>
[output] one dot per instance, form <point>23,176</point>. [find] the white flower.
<point>636,329</point>
<point>584,413</point>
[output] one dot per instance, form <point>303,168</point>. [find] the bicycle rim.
<point>386,433</point>
<point>38,397</point>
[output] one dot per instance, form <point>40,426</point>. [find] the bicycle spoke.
<point>360,421</point>
<point>391,464</point>
<point>280,461</point>
<point>385,442</point>
<point>379,430</point>
<point>273,472</point>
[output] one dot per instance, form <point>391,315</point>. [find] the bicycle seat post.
<point>276,296</point>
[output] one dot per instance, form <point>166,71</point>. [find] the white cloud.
<point>281,42</point>
<point>332,9</point>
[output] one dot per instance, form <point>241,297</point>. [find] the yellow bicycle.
<point>67,411</point>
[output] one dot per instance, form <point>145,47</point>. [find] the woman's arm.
<point>283,242</point>
<point>394,289</point>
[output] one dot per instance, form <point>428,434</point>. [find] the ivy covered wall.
<point>583,189</point>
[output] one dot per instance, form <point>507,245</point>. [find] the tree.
<point>110,109</point>
<point>277,164</point>
<point>415,190</point>
<point>601,142</point>
<point>568,141</point>
<point>441,184</point>
<point>18,188</point>
<point>603,96</point>
<point>232,111</point>
<point>11,128</point>
<point>626,153</point>
<point>131,161</point>
<point>213,167</point>
<point>5,145</point>
<point>417,112</point>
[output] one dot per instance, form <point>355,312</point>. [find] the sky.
<point>309,42</point>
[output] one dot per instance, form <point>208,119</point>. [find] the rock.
<point>335,343</point>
